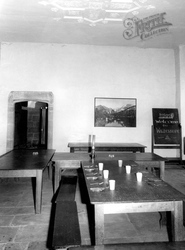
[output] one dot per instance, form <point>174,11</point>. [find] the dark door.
<point>20,129</point>
<point>43,126</point>
<point>31,125</point>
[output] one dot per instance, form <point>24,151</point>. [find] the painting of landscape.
<point>115,112</point>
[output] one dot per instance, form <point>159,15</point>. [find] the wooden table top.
<point>25,159</point>
<point>127,189</point>
<point>129,156</point>
<point>105,144</point>
<point>59,156</point>
<point>66,156</point>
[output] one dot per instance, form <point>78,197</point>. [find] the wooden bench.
<point>67,189</point>
<point>66,224</point>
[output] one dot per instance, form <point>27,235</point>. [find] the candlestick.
<point>93,141</point>
<point>93,147</point>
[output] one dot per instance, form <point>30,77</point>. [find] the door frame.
<point>21,96</point>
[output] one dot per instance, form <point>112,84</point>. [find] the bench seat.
<point>67,188</point>
<point>66,226</point>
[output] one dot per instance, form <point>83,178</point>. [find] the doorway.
<point>30,97</point>
<point>31,125</point>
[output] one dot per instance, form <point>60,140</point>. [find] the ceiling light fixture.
<point>94,12</point>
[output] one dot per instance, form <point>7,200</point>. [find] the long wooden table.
<point>129,196</point>
<point>27,163</point>
<point>106,146</point>
<point>73,161</point>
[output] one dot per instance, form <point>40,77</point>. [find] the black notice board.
<point>166,126</point>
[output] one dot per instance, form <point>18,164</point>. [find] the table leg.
<point>38,200</point>
<point>162,169</point>
<point>99,224</point>
<point>57,175</point>
<point>50,169</point>
<point>177,221</point>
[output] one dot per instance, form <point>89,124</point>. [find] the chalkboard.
<point>166,126</point>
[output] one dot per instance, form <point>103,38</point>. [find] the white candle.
<point>93,141</point>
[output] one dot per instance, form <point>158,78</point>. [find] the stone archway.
<point>21,96</point>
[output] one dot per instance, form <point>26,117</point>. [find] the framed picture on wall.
<point>115,112</point>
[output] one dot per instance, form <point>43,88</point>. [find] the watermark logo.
<point>145,28</point>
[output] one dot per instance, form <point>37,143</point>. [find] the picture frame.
<point>115,112</point>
